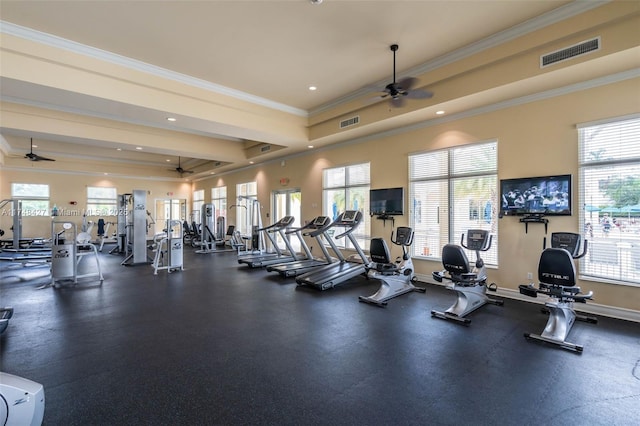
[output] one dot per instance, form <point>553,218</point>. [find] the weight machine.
<point>67,253</point>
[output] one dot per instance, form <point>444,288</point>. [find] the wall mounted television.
<point>544,196</point>
<point>386,202</point>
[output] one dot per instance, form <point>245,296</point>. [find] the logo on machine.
<point>62,253</point>
<point>176,246</point>
<point>555,276</point>
<point>455,267</point>
<point>139,207</point>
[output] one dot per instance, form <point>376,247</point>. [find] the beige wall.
<point>534,139</point>
<point>65,188</point>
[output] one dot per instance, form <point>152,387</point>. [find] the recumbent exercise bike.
<point>397,278</point>
<point>469,283</point>
<point>557,277</point>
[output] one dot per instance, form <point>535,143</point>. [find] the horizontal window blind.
<point>609,191</point>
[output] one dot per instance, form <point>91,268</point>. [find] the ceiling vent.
<point>579,49</point>
<point>265,148</point>
<point>350,122</point>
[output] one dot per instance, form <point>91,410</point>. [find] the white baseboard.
<point>589,307</point>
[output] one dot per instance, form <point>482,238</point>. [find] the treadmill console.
<point>287,220</point>
<point>568,241</point>
<point>321,221</point>
<point>349,216</point>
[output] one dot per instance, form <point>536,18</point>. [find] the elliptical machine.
<point>557,276</point>
<point>470,284</point>
<point>397,278</point>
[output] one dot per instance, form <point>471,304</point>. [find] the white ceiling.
<point>265,50</point>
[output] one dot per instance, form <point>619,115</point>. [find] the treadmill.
<point>316,229</point>
<point>260,260</point>
<point>329,276</point>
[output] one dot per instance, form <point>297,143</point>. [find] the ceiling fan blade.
<point>419,94</point>
<point>406,83</point>
<point>36,157</point>
<point>187,171</point>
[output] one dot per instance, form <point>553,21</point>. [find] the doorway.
<point>288,202</point>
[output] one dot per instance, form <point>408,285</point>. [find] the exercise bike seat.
<point>457,265</point>
<point>381,257</point>
<point>557,276</point>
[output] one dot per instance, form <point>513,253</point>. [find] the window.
<point>102,201</point>
<point>198,201</point>
<point>609,165</point>
<point>34,198</point>
<point>450,192</point>
<point>246,213</point>
<point>347,188</point>
<point>219,200</point>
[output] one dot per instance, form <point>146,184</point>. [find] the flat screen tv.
<point>545,195</point>
<point>386,202</point>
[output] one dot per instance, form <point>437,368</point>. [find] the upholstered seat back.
<point>379,251</point>
<point>556,268</point>
<point>455,260</point>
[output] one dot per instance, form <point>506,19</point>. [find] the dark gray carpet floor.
<point>221,344</point>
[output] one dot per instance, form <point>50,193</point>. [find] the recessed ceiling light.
<point>35,146</point>
<point>171,119</point>
<point>250,162</point>
<point>119,149</point>
<point>167,160</point>
<point>106,174</point>
<point>309,146</point>
<point>440,112</point>
<point>139,148</point>
<point>312,88</point>
<point>212,173</point>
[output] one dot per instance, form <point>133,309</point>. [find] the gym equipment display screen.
<point>386,202</point>
<point>545,196</point>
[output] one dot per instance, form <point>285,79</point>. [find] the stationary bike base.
<point>563,344</point>
<point>388,292</point>
<point>470,298</point>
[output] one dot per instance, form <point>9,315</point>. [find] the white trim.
<point>590,308</point>
<point>110,175</point>
<point>103,55</point>
<point>608,120</point>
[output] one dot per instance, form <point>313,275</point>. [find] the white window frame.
<point>243,214</point>
<point>34,197</point>
<point>441,216</point>
<point>609,152</point>
<point>219,200</point>
<point>197,203</point>
<point>100,205</point>
<point>341,181</point>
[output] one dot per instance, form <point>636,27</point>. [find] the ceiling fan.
<point>399,91</point>
<point>35,157</point>
<point>180,170</point>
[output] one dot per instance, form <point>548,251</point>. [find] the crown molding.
<point>113,58</point>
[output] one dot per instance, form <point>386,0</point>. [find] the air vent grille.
<point>265,148</point>
<point>350,122</point>
<point>570,52</point>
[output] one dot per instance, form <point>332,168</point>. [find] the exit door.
<point>288,203</point>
